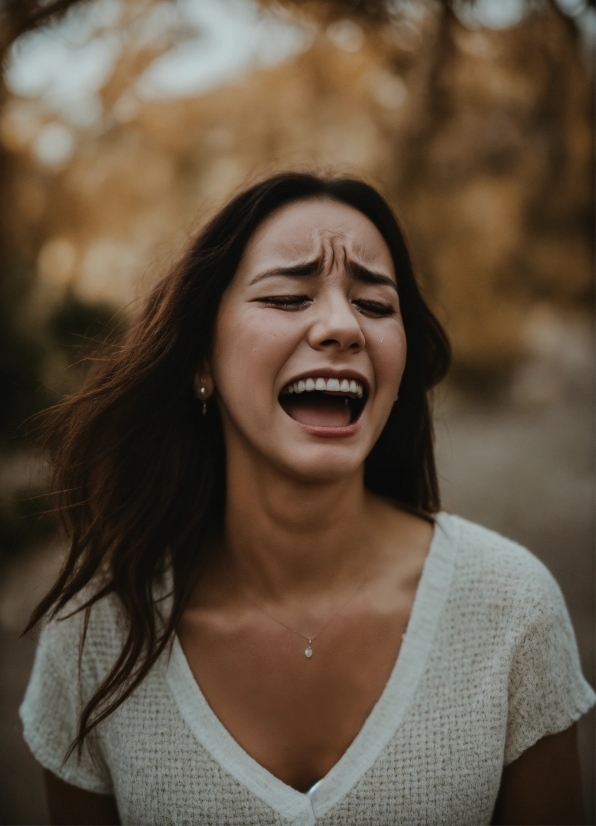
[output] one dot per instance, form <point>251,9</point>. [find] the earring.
<point>201,392</point>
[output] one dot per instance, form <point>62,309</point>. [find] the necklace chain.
<point>308,651</point>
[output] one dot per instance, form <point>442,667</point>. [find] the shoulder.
<point>500,570</point>
<point>65,675</point>
<point>509,609</point>
<point>87,637</point>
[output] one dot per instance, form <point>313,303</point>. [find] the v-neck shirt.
<point>488,665</point>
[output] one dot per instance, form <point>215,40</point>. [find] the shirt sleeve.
<point>57,692</point>
<point>547,690</point>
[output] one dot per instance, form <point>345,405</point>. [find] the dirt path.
<point>528,474</point>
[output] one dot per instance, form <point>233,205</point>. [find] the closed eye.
<point>286,302</point>
<point>374,308</point>
<point>301,302</point>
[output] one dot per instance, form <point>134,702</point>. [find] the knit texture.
<point>488,666</point>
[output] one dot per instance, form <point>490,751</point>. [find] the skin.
<point>304,545</point>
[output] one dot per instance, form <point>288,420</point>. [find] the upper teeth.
<point>331,385</point>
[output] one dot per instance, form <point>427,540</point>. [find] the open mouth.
<point>320,402</point>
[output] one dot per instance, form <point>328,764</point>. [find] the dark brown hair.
<point>140,474</point>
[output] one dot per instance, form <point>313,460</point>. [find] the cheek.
<point>251,345</point>
<point>388,350</point>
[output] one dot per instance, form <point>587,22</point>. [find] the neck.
<point>283,537</point>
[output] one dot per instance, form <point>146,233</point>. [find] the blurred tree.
<point>23,350</point>
<point>495,181</point>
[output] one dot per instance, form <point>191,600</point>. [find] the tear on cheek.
<point>322,409</point>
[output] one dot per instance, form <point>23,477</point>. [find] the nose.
<point>336,325</point>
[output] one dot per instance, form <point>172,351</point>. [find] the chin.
<point>324,465</point>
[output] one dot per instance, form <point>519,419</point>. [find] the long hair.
<point>140,474</point>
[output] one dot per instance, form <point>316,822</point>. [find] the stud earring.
<point>201,392</point>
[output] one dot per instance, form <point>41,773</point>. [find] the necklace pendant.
<point>308,651</point>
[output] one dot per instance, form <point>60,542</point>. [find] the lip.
<point>329,432</point>
<point>331,373</point>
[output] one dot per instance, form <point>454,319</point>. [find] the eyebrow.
<point>356,271</point>
<point>295,270</point>
<point>361,273</point>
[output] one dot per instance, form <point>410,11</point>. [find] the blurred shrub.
<point>36,368</point>
<point>76,329</point>
<point>25,520</point>
<point>22,393</point>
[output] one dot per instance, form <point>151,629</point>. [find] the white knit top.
<point>489,665</point>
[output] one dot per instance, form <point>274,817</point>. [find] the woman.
<point>249,488</point>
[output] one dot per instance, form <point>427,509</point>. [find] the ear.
<point>203,379</point>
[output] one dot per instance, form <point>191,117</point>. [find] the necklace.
<point>308,651</point>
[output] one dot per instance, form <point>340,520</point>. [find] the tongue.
<point>319,410</point>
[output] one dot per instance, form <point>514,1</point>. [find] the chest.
<point>295,715</point>
<point>429,752</point>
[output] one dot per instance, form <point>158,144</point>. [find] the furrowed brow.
<point>361,273</point>
<point>293,271</point>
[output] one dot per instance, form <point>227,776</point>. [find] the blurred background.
<point>125,123</point>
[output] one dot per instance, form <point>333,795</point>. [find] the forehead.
<point>300,231</point>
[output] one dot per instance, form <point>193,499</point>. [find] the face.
<point>309,344</point>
